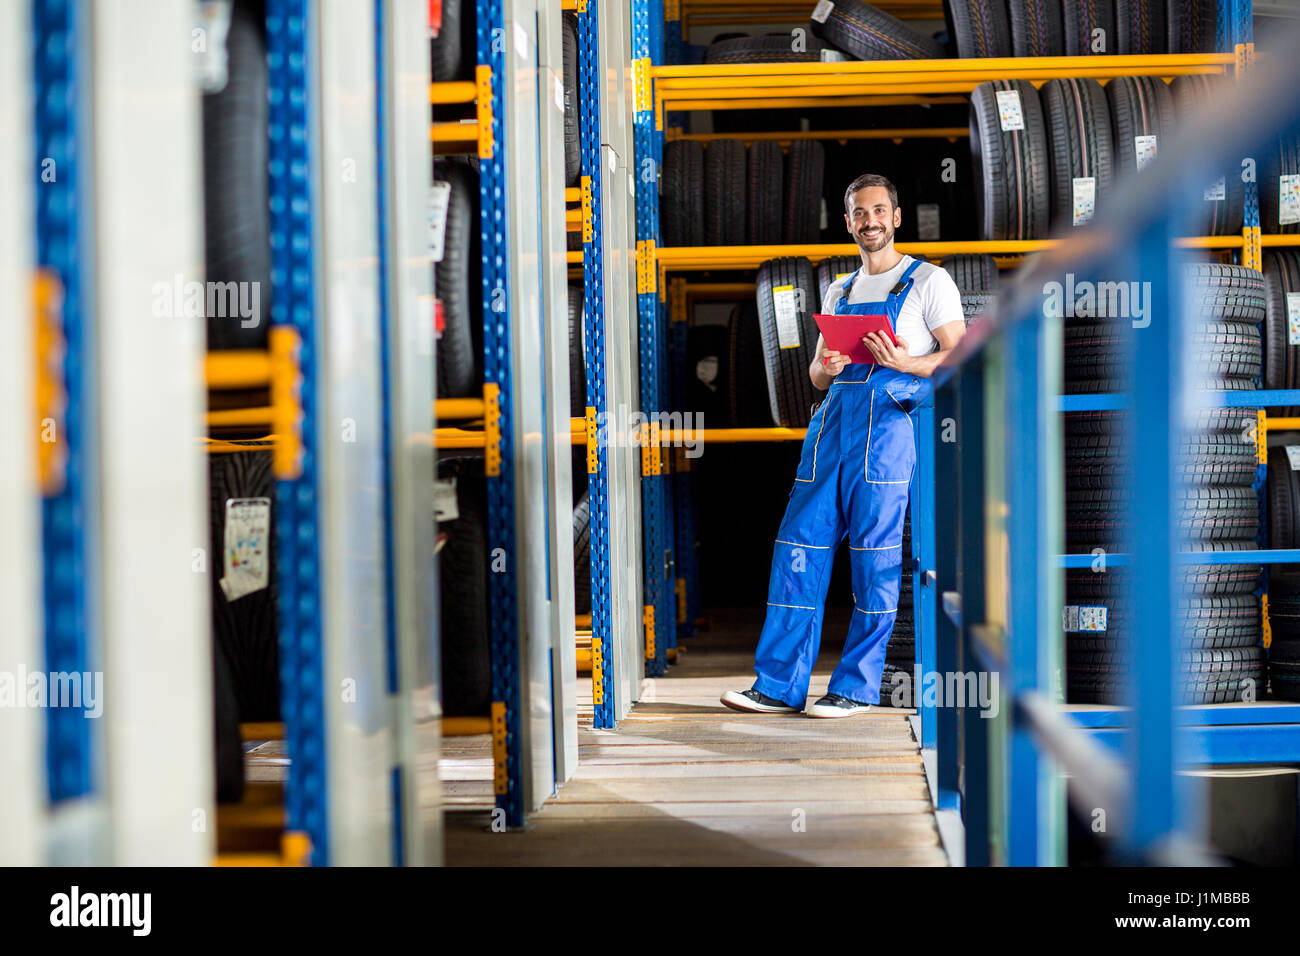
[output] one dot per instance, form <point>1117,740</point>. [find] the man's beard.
<point>866,245</point>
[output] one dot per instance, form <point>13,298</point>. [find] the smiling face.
<point>872,218</point>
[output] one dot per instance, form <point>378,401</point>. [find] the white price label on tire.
<point>1084,619</point>
<point>1084,189</point>
<point>1293,456</point>
<point>1145,148</point>
<point>245,553</point>
<point>822,10</point>
<point>521,40</point>
<point>1293,318</point>
<point>439,197</point>
<point>1010,111</point>
<point>927,222</point>
<point>1218,191</point>
<point>1288,207</point>
<point>787,317</point>
<point>832,56</point>
<point>559,93</point>
<point>445,507</point>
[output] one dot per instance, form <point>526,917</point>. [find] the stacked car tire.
<point>898,680</point>
<point>1217,609</point>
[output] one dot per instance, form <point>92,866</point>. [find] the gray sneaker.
<point>833,705</point>
<point>752,702</point>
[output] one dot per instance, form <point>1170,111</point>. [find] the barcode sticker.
<point>822,10</point>
<point>824,219</point>
<point>1288,207</point>
<point>1085,199</point>
<point>1218,191</point>
<point>1293,455</point>
<point>787,317</point>
<point>1013,117</point>
<point>439,196</point>
<point>1293,318</point>
<point>246,547</point>
<point>1084,619</point>
<point>1145,148</point>
<point>445,507</point>
<point>927,222</point>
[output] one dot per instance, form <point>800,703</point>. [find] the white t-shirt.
<point>932,301</point>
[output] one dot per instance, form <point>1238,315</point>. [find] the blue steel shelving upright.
<point>661,610</point>
<point>498,393</point>
<point>62,236</point>
<point>593,274</point>
<point>291,168</point>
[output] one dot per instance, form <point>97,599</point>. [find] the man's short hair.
<point>866,181</point>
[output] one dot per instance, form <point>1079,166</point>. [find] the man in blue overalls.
<point>855,469</point>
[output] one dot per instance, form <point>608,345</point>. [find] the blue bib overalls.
<point>853,479</point>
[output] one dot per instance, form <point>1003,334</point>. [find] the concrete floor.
<point>684,781</point>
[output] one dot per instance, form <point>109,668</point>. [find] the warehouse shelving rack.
<point>663,86</point>
<point>1004,784</point>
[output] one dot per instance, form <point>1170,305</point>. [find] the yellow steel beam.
<point>455,91</point>
<point>1272,240</point>
<point>237,369</point>
<point>573,194</point>
<point>217,447</point>
<point>744,257</point>
<point>573,257</point>
<point>990,68</point>
<point>268,730</point>
<point>227,417</point>
<point>1279,423</point>
<point>466,726</point>
<point>454,132</point>
<point>844,135</point>
<point>459,408</point>
<point>782,102</point>
<point>843,84</point>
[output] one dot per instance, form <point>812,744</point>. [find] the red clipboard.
<point>843,334</point>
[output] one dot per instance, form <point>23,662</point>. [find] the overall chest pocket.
<point>891,443</point>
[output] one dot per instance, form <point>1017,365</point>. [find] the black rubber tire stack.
<point>862,31</point>
<point>724,193</point>
<point>681,203</point>
<point>804,171</point>
<point>245,631</point>
<point>1217,609</point>
<point>1141,25</point>
<point>1078,130</point>
<point>789,388</point>
<point>900,653</point>
<point>1013,192</point>
<point>709,347</point>
<point>1282,158</point>
<point>831,270</point>
<point>236,214</point>
<point>1284,651</point>
<point>572,114</point>
<point>463,595</point>
<point>1191,25</point>
<point>750,407</point>
<point>763,182</point>
<point>1139,106</point>
<point>979,28</point>
<point>1220,217</point>
<point>768,49</point>
<point>972,273</point>
<point>582,556</point>
<point>453,48</point>
<point>1036,28</point>
<point>458,285</point>
<point>1281,357</point>
<point>1082,18</point>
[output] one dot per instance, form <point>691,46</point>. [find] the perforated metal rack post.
<point>293,310</point>
<point>660,618</point>
<point>593,259</point>
<point>503,584</point>
<point>61,192</point>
